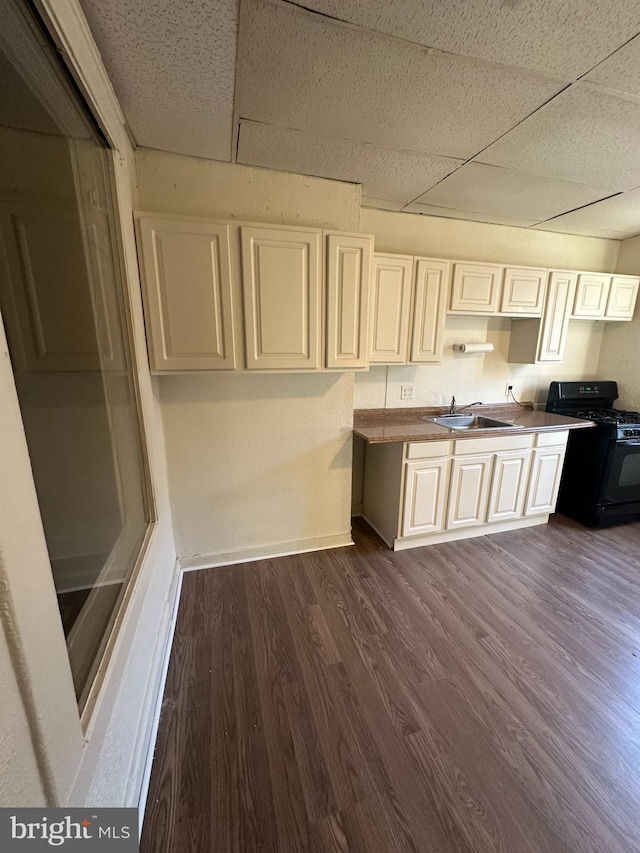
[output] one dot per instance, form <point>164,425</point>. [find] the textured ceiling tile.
<point>384,173</point>
<point>307,72</point>
<point>172,66</point>
<point>381,204</point>
<point>584,135</point>
<point>507,193</point>
<point>621,71</point>
<point>617,217</point>
<point>450,213</point>
<point>564,37</point>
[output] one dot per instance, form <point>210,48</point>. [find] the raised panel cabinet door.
<point>425,493</point>
<point>282,292</point>
<point>544,482</point>
<point>348,277</point>
<point>591,295</point>
<point>523,292</point>
<point>622,297</point>
<point>186,277</point>
<point>508,485</point>
<point>469,491</point>
<point>475,288</point>
<point>430,308</point>
<point>555,318</point>
<point>390,308</point>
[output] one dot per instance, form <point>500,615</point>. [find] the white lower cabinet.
<point>469,491</point>
<point>425,493</point>
<point>544,483</point>
<point>508,485</point>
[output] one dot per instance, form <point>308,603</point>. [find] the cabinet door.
<point>508,485</point>
<point>544,482</point>
<point>430,307</point>
<point>425,492</point>
<point>281,286</point>
<point>349,259</point>
<point>475,288</point>
<point>555,319</point>
<point>469,491</point>
<point>523,292</point>
<point>390,308</point>
<point>186,279</point>
<point>591,295</point>
<point>622,297</point>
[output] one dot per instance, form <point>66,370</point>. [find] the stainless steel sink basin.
<point>471,422</point>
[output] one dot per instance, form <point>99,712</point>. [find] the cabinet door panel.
<point>591,295</point>
<point>348,277</point>
<point>523,291</point>
<point>555,319</point>
<point>622,298</point>
<point>281,286</point>
<point>469,491</point>
<point>390,307</point>
<point>187,293</point>
<point>431,293</point>
<point>544,482</point>
<point>475,288</point>
<point>508,485</point>
<point>425,490</point>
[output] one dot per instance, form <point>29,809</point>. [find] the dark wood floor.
<point>474,696</point>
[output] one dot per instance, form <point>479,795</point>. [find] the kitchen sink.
<point>471,422</point>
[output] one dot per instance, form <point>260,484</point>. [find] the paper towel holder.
<point>474,348</point>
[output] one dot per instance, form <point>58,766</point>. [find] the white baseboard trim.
<point>268,552</point>
<point>155,694</point>
<point>467,532</point>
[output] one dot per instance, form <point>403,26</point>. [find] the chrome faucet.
<point>452,406</point>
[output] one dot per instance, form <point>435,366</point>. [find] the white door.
<point>475,288</point>
<point>425,494</point>
<point>349,258</point>
<point>622,297</point>
<point>281,286</point>
<point>523,291</point>
<point>390,308</point>
<point>591,295</point>
<point>186,284</point>
<point>555,319</point>
<point>430,308</point>
<point>508,485</point>
<point>544,482</point>
<point>469,491</point>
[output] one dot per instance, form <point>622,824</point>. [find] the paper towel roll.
<point>486,347</point>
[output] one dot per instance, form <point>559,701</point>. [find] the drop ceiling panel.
<point>384,173</point>
<point>381,204</point>
<point>172,66</point>
<point>620,71</point>
<point>585,134</point>
<point>310,73</point>
<point>507,193</point>
<point>617,217</point>
<point>451,213</point>
<point>565,38</point>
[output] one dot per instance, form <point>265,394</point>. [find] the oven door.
<point>622,485</point>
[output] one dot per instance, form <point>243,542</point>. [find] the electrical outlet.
<point>406,392</point>
<point>508,389</point>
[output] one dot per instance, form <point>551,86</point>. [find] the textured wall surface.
<point>255,461</point>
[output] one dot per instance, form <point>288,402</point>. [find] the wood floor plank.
<point>469,697</point>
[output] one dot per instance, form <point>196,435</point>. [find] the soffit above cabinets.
<point>514,112</point>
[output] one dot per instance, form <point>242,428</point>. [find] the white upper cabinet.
<point>523,291</point>
<point>475,288</point>
<point>555,321</point>
<point>282,291</point>
<point>591,295</point>
<point>622,297</point>
<point>430,307</point>
<point>348,276</point>
<point>390,308</point>
<point>186,276</point>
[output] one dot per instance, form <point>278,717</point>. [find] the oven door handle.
<point>632,442</point>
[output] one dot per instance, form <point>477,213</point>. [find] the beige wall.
<point>258,464</point>
<point>620,355</point>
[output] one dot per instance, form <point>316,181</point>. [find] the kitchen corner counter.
<point>378,426</point>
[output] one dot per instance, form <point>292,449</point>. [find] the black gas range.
<point>601,477</point>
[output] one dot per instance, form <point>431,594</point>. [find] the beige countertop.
<point>386,425</point>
